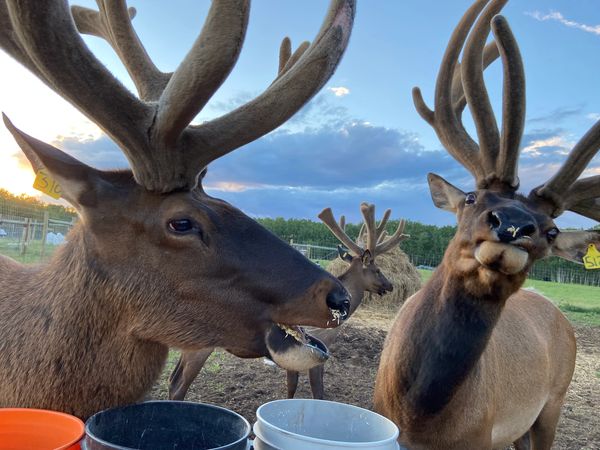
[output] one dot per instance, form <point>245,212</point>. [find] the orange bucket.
<point>39,429</point>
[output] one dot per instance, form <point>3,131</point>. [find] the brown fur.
<point>154,261</point>
<point>516,368</point>
<point>362,275</point>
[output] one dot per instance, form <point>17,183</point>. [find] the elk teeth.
<point>291,332</point>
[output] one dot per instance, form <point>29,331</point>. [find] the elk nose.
<point>511,224</point>
<point>339,299</point>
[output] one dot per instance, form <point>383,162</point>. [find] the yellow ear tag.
<point>591,260</point>
<point>44,183</point>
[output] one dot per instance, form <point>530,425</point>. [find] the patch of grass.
<point>214,363</point>
<point>581,303</point>
<point>33,254</point>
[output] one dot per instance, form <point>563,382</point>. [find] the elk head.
<point>361,254</point>
<point>501,233</point>
<point>192,270</point>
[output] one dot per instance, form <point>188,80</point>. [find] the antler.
<point>377,243</point>
<point>153,131</point>
<point>562,192</point>
<point>376,234</point>
<point>493,162</point>
<point>327,218</point>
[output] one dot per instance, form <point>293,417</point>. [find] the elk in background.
<point>471,360</point>
<point>154,261</point>
<point>362,275</point>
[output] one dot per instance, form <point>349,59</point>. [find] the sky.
<point>360,138</point>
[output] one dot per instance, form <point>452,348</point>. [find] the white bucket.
<point>303,424</point>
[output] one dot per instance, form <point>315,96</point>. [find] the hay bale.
<point>397,268</point>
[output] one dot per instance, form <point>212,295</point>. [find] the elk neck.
<point>354,283</point>
<point>453,318</point>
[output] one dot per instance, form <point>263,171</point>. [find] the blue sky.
<point>360,138</point>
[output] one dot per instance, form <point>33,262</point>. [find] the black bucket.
<point>166,425</point>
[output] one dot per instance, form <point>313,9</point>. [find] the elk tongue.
<point>292,349</point>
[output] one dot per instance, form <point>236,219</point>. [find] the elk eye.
<point>181,225</point>
<point>551,234</point>
<point>470,198</point>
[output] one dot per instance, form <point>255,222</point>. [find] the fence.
<point>30,233</point>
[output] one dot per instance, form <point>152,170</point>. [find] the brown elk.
<point>362,275</point>
<point>471,360</point>
<point>154,262</point>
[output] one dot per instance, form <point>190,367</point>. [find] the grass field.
<point>579,302</point>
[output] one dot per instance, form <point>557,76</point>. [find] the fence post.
<point>25,236</point>
<point>45,232</point>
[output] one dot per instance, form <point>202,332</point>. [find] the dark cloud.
<point>409,200</point>
<point>558,114</point>
<point>357,155</point>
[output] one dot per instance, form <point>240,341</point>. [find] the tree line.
<point>425,247</point>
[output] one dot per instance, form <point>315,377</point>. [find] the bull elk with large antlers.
<point>154,261</point>
<point>471,360</point>
<point>363,275</point>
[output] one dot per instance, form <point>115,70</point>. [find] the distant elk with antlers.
<point>472,361</point>
<point>154,262</point>
<point>363,275</point>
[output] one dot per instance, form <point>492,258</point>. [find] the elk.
<point>362,275</point>
<point>472,361</point>
<point>154,262</point>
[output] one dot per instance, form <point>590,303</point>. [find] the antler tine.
<point>51,42</point>
<point>113,23</point>
<point>286,58</point>
<point>444,120</point>
<point>204,68</point>
<point>368,212</point>
<point>476,92</point>
<point>382,237</point>
<point>11,45</point>
<point>490,54</point>
<point>285,52</point>
<point>284,97</point>
<point>556,189</point>
<point>588,208</point>
<point>383,223</point>
<point>393,241</point>
<point>343,223</point>
<point>327,218</point>
<point>513,103</point>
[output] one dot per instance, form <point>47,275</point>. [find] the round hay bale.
<point>397,268</point>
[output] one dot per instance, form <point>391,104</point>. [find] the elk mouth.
<point>292,348</point>
<point>508,259</point>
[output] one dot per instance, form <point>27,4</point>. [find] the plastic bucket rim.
<point>118,447</point>
<point>70,417</point>
<point>327,442</point>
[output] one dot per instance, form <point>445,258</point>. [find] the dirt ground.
<point>243,385</point>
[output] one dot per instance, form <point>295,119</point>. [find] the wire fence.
<point>31,234</point>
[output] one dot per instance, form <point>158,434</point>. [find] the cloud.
<point>558,114</point>
<point>340,91</point>
<point>356,155</point>
<point>558,17</point>
<point>593,116</point>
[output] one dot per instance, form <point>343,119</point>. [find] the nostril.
<point>494,220</point>
<point>338,299</point>
<point>527,230</point>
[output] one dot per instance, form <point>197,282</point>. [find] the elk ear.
<point>344,255</point>
<point>443,194</point>
<point>77,181</point>
<point>574,245</point>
